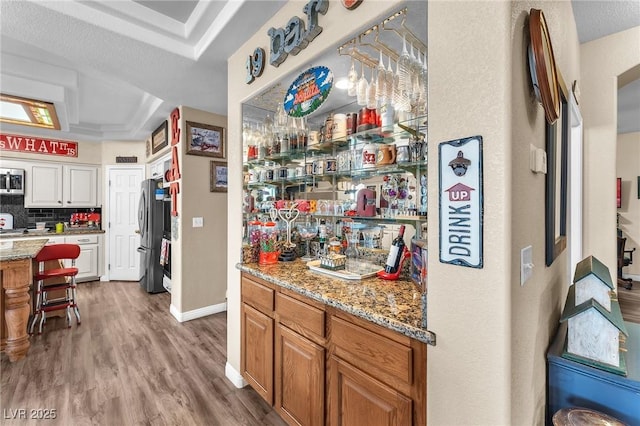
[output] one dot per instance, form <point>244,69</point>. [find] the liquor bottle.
<point>395,253</point>
<point>322,235</point>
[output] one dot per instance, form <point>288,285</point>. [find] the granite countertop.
<point>51,233</point>
<point>395,305</point>
<point>18,250</point>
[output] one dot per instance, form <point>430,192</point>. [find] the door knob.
<point>137,231</point>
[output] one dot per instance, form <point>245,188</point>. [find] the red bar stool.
<point>43,303</point>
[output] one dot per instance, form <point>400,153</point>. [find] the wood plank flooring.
<point>129,363</point>
<point>630,302</point>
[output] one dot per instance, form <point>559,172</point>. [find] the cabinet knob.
<point>68,202</point>
<point>59,202</point>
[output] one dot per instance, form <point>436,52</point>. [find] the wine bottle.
<point>395,253</point>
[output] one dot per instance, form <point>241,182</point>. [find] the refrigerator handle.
<point>141,249</point>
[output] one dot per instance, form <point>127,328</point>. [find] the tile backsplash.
<point>27,218</point>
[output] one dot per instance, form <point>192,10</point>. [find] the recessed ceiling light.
<point>342,83</point>
<point>28,112</point>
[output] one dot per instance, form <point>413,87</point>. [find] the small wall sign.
<point>34,145</point>
<point>461,202</point>
<point>308,91</point>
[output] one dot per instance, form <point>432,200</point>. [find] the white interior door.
<point>124,192</point>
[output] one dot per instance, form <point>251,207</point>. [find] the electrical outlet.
<point>197,222</point>
<point>526,264</point>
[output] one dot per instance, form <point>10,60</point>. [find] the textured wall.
<point>628,168</point>
<point>599,88</point>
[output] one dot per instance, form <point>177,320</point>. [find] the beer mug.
<point>339,128</point>
<point>369,156</point>
<point>386,155</point>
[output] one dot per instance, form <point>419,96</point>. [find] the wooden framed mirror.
<point>542,66</point>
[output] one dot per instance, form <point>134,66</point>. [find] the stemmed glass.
<point>352,77</point>
<point>381,82</point>
<point>389,82</point>
<point>403,70</point>
<point>307,231</point>
<point>371,92</point>
<point>362,87</point>
<point>389,190</point>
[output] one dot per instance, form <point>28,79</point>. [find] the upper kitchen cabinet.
<point>57,185</point>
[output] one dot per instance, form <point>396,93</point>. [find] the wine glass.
<point>352,77</point>
<point>363,85</point>
<point>381,82</point>
<point>389,81</point>
<point>371,92</point>
<point>389,190</point>
<point>307,231</point>
<point>403,70</point>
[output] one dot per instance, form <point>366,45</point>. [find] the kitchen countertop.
<point>392,304</point>
<point>51,233</point>
<point>27,249</point>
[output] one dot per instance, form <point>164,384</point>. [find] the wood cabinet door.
<point>355,398</point>
<point>300,373</point>
<point>257,351</point>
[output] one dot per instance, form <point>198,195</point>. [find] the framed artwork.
<point>557,136</point>
<point>619,193</point>
<point>205,139</point>
<point>218,177</point>
<point>638,187</point>
<point>159,138</point>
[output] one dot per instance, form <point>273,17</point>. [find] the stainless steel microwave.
<point>12,181</point>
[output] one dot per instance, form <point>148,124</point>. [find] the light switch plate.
<point>197,222</point>
<point>526,264</point>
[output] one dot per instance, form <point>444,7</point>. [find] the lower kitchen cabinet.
<point>358,399</point>
<point>319,365</point>
<point>257,351</point>
<point>300,374</point>
<point>88,263</point>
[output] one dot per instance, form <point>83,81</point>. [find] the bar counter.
<point>395,305</point>
<point>15,276</point>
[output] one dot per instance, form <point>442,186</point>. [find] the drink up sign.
<point>461,203</point>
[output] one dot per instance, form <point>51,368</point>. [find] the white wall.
<point>628,168</point>
<point>599,90</point>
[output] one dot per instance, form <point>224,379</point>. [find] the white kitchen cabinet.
<point>88,263</point>
<point>157,168</point>
<point>80,186</point>
<point>57,185</point>
<point>43,185</point>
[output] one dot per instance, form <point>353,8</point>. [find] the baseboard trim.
<point>197,313</point>
<point>632,276</point>
<point>234,376</point>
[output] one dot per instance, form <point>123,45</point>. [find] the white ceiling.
<point>115,69</point>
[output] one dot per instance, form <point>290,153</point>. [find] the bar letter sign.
<point>461,202</point>
<point>37,145</point>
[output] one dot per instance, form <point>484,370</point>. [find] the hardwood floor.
<point>630,302</point>
<point>129,363</point>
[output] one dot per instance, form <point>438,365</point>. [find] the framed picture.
<point>159,138</point>
<point>205,139</point>
<point>557,136</point>
<point>218,177</point>
<point>619,193</point>
<point>638,187</point>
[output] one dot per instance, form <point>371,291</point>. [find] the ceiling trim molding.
<point>216,27</point>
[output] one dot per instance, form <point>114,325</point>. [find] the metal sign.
<point>36,145</point>
<point>308,91</point>
<point>461,202</point>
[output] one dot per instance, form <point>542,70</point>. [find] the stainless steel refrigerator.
<point>150,222</point>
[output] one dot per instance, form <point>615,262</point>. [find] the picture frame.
<point>160,137</point>
<point>205,140</point>
<point>557,136</point>
<point>218,176</point>
<point>638,186</point>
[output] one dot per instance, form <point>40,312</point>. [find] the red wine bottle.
<point>395,253</point>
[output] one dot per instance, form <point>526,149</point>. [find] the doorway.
<point>123,187</point>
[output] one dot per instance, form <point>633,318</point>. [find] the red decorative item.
<point>392,277</point>
<point>37,145</point>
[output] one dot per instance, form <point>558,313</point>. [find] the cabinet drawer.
<point>358,345</point>
<point>294,313</point>
<point>257,295</point>
<point>82,239</point>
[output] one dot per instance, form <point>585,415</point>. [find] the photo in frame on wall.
<point>205,140</point>
<point>218,181</point>
<point>159,138</point>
